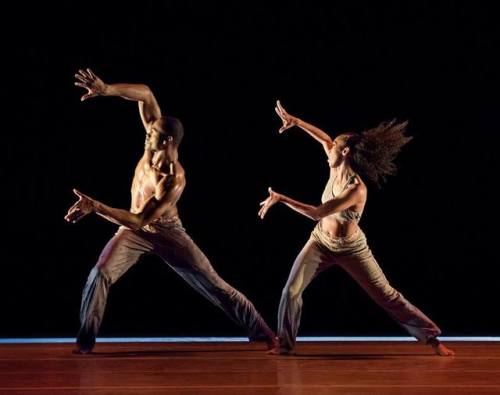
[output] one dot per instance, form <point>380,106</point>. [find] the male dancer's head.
<point>163,138</point>
<point>164,134</point>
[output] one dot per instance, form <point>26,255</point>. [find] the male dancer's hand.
<point>81,208</point>
<point>88,80</point>
<point>288,120</point>
<point>269,202</point>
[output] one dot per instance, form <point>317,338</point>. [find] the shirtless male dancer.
<point>337,238</point>
<point>152,224</point>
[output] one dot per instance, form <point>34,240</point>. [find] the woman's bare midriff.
<point>333,228</point>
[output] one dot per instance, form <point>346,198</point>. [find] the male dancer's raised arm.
<point>168,184</point>
<point>148,106</point>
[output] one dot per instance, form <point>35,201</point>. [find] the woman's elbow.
<point>315,214</point>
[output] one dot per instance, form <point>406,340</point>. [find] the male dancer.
<point>152,224</point>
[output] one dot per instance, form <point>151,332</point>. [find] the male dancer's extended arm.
<point>290,121</point>
<point>152,208</point>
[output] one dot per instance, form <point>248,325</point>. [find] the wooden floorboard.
<point>382,368</point>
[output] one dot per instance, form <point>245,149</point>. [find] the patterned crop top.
<point>344,215</point>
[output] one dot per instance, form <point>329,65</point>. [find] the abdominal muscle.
<point>334,228</point>
<point>144,186</point>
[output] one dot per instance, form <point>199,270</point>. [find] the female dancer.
<point>337,237</point>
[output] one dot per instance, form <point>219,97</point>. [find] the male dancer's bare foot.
<point>280,351</point>
<point>440,349</point>
<point>271,341</point>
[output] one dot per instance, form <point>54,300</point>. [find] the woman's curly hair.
<point>373,151</point>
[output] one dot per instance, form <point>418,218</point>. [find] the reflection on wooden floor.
<point>383,368</point>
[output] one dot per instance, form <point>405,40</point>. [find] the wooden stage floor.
<point>382,368</point>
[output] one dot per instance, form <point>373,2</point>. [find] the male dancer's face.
<point>156,138</point>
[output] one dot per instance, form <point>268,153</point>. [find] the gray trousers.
<point>170,241</point>
<point>354,256</point>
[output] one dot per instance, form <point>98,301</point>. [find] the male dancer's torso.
<point>154,175</point>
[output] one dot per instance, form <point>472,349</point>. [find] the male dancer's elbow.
<point>137,222</point>
<point>142,219</point>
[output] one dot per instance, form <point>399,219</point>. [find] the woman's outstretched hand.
<point>271,200</point>
<point>288,120</point>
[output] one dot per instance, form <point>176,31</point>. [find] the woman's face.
<point>335,156</point>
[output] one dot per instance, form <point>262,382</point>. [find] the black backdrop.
<point>220,68</point>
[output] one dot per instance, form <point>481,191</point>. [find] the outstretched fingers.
<point>74,207</point>
<point>285,125</point>
<point>81,78</point>
<point>280,107</point>
<point>85,74</point>
<point>72,213</point>
<point>266,204</point>
<point>280,114</point>
<point>91,74</point>
<point>75,216</point>
<point>285,117</point>
<point>80,194</point>
<point>262,212</point>
<point>88,96</point>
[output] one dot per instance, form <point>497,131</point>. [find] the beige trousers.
<point>354,256</point>
<point>169,241</point>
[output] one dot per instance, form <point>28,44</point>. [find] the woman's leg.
<point>365,270</point>
<point>311,260</point>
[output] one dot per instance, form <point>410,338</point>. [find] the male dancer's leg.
<point>181,253</point>
<point>120,253</point>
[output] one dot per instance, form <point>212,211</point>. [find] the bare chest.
<point>144,183</point>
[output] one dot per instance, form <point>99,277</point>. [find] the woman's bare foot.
<point>443,351</point>
<point>440,349</point>
<point>82,350</point>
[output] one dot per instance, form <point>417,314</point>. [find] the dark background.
<point>219,68</point>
